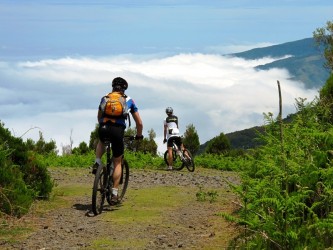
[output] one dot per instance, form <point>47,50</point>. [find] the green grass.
<point>73,190</point>
<point>10,233</point>
<point>147,205</point>
<point>118,244</point>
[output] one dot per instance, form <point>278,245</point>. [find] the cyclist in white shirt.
<point>171,134</point>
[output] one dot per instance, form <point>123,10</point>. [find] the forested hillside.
<point>305,63</point>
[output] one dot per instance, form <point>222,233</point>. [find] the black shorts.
<point>176,139</point>
<point>115,134</point>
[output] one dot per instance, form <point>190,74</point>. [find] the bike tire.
<point>189,161</point>
<point>123,184</point>
<point>166,156</point>
<point>98,194</point>
<point>177,163</point>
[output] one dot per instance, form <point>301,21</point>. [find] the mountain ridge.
<point>305,64</point>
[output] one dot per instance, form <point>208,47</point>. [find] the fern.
<point>286,194</point>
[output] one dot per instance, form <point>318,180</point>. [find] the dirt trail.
<point>194,227</point>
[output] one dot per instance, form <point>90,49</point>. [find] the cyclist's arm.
<point>99,115</point>
<point>165,130</point>
<point>138,122</point>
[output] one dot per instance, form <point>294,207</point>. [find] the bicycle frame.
<point>109,164</point>
<point>109,159</point>
<point>178,151</point>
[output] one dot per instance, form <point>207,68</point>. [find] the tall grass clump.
<point>286,195</point>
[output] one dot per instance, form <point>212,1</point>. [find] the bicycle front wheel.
<point>189,161</point>
<point>99,190</point>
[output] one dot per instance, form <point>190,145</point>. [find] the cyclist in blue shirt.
<point>114,128</point>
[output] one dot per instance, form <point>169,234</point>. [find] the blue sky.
<point>57,58</point>
<point>111,27</point>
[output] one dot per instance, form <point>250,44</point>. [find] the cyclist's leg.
<point>177,163</point>
<point>182,147</point>
<point>100,148</point>
<point>170,154</point>
<point>184,150</point>
<point>117,171</point>
<point>117,152</point>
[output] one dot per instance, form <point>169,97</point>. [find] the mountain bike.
<point>180,158</point>
<point>103,182</point>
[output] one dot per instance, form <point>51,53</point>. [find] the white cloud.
<point>214,93</point>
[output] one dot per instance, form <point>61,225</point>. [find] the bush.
<point>18,148</point>
<point>15,196</point>
<point>37,177</point>
<point>22,177</point>
<point>219,161</point>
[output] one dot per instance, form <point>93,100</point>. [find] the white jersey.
<point>171,122</point>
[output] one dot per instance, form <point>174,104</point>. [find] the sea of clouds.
<point>59,97</point>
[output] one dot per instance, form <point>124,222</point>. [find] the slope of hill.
<point>305,64</point>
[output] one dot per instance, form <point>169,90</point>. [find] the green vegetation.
<point>218,145</point>
<point>204,195</point>
<point>287,190</point>
<point>22,177</point>
<point>191,139</point>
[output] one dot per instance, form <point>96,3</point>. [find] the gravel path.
<point>197,226</point>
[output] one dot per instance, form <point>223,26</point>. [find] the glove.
<point>165,140</point>
<point>138,137</point>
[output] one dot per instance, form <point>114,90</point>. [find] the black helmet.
<point>119,83</point>
<point>169,110</point>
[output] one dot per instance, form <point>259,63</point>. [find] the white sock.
<point>99,161</point>
<point>115,191</point>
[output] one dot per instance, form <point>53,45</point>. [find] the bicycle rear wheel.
<point>174,155</point>
<point>99,188</point>
<point>189,161</point>
<point>177,162</point>
<point>122,184</point>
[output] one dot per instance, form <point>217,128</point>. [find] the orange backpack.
<point>115,105</point>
